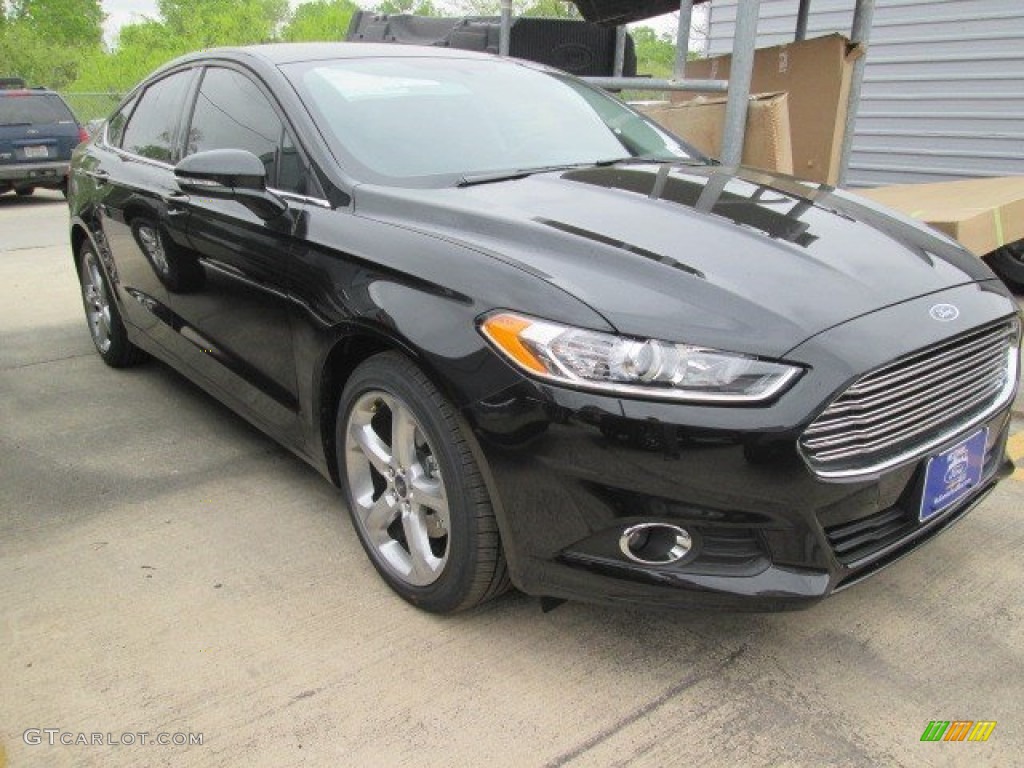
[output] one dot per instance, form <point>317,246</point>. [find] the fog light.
<point>655,543</point>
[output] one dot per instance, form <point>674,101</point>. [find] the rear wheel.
<point>414,490</point>
<point>101,313</point>
<point>26,191</point>
<point>178,273</point>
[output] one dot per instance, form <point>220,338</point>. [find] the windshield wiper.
<point>517,173</point>
<point>642,159</point>
<point>521,173</point>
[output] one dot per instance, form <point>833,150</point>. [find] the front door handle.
<point>176,202</point>
<point>100,177</point>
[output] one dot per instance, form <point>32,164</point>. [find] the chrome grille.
<point>910,405</point>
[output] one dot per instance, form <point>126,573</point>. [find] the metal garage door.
<point>943,93</point>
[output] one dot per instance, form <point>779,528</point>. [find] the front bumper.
<point>48,174</point>
<point>767,534</point>
<point>571,471</point>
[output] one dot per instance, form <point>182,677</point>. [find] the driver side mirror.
<point>230,174</point>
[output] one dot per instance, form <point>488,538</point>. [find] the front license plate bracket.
<point>951,475</point>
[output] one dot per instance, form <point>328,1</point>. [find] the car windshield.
<point>33,109</point>
<point>445,119</point>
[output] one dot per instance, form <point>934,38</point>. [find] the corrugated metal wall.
<point>943,90</point>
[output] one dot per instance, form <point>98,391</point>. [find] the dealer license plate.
<point>953,474</point>
<point>34,153</point>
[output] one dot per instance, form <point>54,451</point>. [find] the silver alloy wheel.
<point>400,500</point>
<point>154,248</point>
<point>97,303</point>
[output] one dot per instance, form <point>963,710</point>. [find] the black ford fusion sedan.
<point>537,340</point>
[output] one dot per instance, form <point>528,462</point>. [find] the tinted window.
<point>291,175</point>
<point>115,126</point>
<point>150,130</point>
<point>414,117</point>
<point>232,113</point>
<point>33,108</point>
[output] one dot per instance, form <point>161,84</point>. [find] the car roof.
<point>290,53</point>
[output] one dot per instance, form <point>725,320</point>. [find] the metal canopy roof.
<point>615,12</point>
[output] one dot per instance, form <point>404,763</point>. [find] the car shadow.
<point>38,199</point>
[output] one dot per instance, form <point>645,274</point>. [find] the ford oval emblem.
<point>944,312</point>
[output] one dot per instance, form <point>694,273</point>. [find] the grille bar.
<point>923,362</point>
<point>853,540</point>
<point>908,406</point>
<point>883,423</point>
<point>896,439</point>
<point>989,358</point>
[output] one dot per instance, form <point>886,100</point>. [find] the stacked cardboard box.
<point>982,214</point>
<point>815,74</point>
<point>702,121</point>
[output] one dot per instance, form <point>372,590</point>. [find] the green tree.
<point>552,9</point>
<point>25,53</point>
<point>320,20</point>
<point>655,54</point>
<point>141,48</point>
<point>416,7</point>
<point>44,41</point>
<point>77,23</point>
<point>210,23</point>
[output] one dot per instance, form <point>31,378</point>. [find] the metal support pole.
<point>505,41</point>
<point>620,50</point>
<point>740,75</point>
<point>801,19</point>
<point>860,35</point>
<point>713,189</point>
<point>683,38</point>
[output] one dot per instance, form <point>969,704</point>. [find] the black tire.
<point>25,191</point>
<point>1008,263</point>
<point>466,563</point>
<point>101,313</point>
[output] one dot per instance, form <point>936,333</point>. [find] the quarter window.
<point>151,128</point>
<point>231,112</point>
<point>116,124</point>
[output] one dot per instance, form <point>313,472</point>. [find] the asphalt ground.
<point>167,569</point>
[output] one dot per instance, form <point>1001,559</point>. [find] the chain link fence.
<point>91,106</point>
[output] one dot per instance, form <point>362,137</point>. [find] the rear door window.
<point>34,109</point>
<point>152,129</point>
<point>116,124</point>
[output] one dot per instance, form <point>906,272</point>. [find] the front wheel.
<point>105,325</point>
<point>414,489</point>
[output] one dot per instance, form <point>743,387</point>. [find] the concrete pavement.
<point>166,569</point>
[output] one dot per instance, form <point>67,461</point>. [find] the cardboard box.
<point>701,121</point>
<point>982,214</point>
<point>816,74</point>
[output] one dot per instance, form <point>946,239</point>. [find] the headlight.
<point>639,367</point>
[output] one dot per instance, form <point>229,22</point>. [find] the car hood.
<point>736,259</point>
